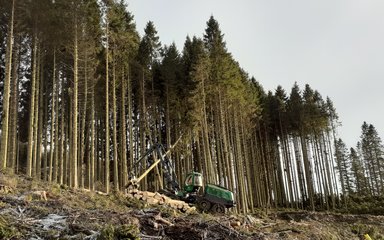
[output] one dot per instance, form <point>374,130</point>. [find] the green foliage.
<point>362,229</point>
<point>149,47</point>
<point>39,210</point>
<point>9,179</point>
<point>107,233</point>
<point>7,231</point>
<point>128,232</point>
<point>372,153</point>
<point>343,165</point>
<point>365,204</point>
<point>123,232</point>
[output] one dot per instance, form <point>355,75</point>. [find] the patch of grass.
<point>107,233</point>
<point>123,232</point>
<point>207,217</point>
<point>365,204</point>
<point>9,179</point>
<point>130,232</point>
<point>39,210</point>
<point>134,203</point>
<point>7,231</point>
<point>3,204</point>
<point>56,189</point>
<point>372,231</point>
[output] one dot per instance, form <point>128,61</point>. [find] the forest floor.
<point>81,214</point>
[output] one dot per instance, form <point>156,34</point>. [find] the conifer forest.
<point>84,96</point>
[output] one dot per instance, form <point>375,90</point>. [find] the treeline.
<point>84,97</point>
<point>362,168</point>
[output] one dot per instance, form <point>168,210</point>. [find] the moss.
<point>364,204</point>
<point>7,231</point>
<point>3,204</point>
<point>134,203</point>
<point>39,210</point>
<point>372,231</point>
<point>10,181</point>
<point>56,189</point>
<point>107,233</point>
<point>126,232</point>
<point>123,232</point>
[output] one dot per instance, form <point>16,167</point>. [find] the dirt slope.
<point>80,214</point>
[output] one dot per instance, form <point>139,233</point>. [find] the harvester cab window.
<point>198,180</point>
<point>188,181</point>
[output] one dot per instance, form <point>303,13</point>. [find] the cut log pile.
<point>155,198</point>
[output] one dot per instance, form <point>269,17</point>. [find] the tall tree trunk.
<point>123,134</point>
<point>75,110</point>
<point>114,133</point>
<point>39,78</point>
<point>308,172</point>
<point>56,141</point>
<point>84,131</point>
<point>106,168</point>
<point>63,146</point>
<point>45,157</point>
<point>142,120</point>
<point>227,164</point>
<point>7,88</point>
<point>39,125</point>
<point>92,178</point>
<point>12,138</point>
<point>299,167</point>
<point>130,118</point>
<point>53,119</point>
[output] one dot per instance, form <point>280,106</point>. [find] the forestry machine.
<point>212,198</point>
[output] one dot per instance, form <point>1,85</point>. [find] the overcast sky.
<point>335,46</point>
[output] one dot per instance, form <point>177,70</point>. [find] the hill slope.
<point>81,214</point>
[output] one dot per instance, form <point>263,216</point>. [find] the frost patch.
<point>53,221</point>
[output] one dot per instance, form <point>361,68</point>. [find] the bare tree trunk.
<point>74,169</point>
<point>92,178</point>
<point>39,139</point>
<point>52,147</point>
<point>84,132</point>
<point>308,172</point>
<point>114,133</point>
<point>13,140</point>
<point>36,118</point>
<point>45,157</point>
<point>63,146</point>
<point>7,88</point>
<point>142,119</point>
<point>32,107</point>
<point>123,134</point>
<point>106,168</point>
<point>130,124</point>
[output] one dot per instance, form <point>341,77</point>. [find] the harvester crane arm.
<point>168,169</point>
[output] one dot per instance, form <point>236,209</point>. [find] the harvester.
<point>208,197</point>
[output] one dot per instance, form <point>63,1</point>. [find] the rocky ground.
<point>37,210</point>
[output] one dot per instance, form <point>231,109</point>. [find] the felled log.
<point>162,220</point>
<point>101,193</point>
<point>236,224</point>
<point>148,194</point>
<point>35,195</point>
<point>152,201</point>
<point>159,199</point>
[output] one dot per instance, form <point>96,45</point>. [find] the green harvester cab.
<point>213,199</point>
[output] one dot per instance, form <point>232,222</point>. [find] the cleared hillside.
<point>81,214</point>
